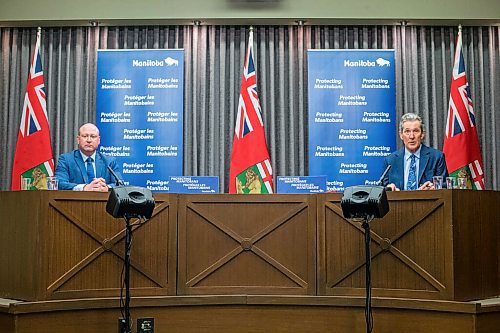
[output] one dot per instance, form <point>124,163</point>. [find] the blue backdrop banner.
<point>352,110</point>
<point>139,113</point>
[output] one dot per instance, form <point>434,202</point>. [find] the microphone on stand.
<point>381,180</point>
<point>118,181</point>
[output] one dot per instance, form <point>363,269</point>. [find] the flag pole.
<point>34,119</point>
<point>250,169</point>
<point>461,143</point>
<point>38,37</point>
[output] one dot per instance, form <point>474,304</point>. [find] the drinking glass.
<point>462,183</point>
<point>25,184</point>
<point>451,183</point>
<point>438,182</point>
<point>52,183</point>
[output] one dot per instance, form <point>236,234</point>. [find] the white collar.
<point>408,153</point>
<point>84,157</point>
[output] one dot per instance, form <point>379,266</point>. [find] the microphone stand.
<point>128,247</point>
<point>366,203</point>
<point>368,274</point>
<point>380,182</point>
<point>118,180</point>
<point>368,260</point>
<point>125,324</point>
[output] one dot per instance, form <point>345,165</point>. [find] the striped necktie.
<point>90,170</point>
<point>412,174</point>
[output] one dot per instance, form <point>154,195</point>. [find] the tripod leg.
<point>368,278</point>
<point>128,245</point>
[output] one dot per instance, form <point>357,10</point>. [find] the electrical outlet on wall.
<point>145,325</point>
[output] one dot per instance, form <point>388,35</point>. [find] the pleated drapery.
<point>214,58</point>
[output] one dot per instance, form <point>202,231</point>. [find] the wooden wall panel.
<point>254,244</point>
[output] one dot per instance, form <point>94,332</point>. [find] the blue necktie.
<point>412,174</point>
<point>90,170</point>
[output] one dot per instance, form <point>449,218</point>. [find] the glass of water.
<point>438,182</point>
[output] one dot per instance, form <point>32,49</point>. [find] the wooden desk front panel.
<point>431,245</point>
<point>247,244</point>
<point>411,248</point>
<point>20,255</point>
<point>476,239</point>
<point>63,244</point>
<point>85,248</point>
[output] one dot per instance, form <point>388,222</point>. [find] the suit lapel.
<point>99,166</point>
<point>400,167</point>
<point>424,159</point>
<point>81,166</point>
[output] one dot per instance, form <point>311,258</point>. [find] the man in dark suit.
<point>85,169</point>
<point>414,165</point>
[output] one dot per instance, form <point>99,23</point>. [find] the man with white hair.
<point>414,165</point>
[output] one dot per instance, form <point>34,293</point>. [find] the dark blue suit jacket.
<point>71,169</point>
<point>431,163</point>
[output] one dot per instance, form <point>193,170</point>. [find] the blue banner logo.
<point>352,110</point>
<point>140,113</point>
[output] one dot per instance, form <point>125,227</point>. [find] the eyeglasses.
<point>92,137</point>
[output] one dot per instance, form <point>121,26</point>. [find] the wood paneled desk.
<point>441,245</point>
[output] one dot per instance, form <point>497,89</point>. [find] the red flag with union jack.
<point>461,143</point>
<point>33,156</point>
<point>250,169</point>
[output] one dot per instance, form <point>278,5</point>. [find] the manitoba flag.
<point>250,170</point>
<point>33,156</point>
<point>461,143</point>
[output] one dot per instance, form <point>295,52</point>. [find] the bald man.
<point>86,169</point>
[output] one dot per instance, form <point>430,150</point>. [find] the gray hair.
<point>411,117</point>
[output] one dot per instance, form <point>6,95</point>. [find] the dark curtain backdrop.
<point>213,66</point>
